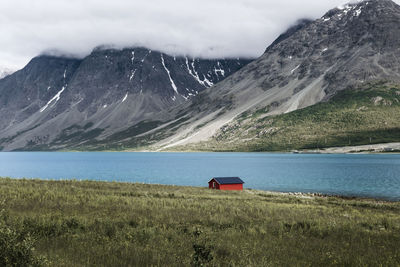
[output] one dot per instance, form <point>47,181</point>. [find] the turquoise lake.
<point>364,175</point>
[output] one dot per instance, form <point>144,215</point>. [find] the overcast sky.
<point>207,28</point>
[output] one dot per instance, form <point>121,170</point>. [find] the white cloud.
<point>208,28</point>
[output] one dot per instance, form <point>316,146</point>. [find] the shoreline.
<point>385,148</point>
<point>382,148</point>
<point>310,195</point>
<point>304,195</point>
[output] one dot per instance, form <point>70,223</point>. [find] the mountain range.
<point>348,48</point>
<point>100,94</point>
<point>331,81</point>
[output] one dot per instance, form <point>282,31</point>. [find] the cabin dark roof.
<point>228,180</point>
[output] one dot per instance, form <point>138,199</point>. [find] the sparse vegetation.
<point>16,249</point>
<point>367,115</point>
<point>71,223</point>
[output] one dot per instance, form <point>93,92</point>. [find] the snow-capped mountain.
<point>136,97</point>
<point>109,90</point>
<point>348,46</point>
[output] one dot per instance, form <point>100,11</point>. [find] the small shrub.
<point>17,250</point>
<point>386,223</point>
<point>133,223</point>
<point>202,255</point>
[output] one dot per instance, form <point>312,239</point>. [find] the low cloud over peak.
<point>207,28</point>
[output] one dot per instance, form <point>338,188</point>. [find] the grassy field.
<point>362,116</point>
<point>72,223</point>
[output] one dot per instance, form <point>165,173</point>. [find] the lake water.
<point>351,175</point>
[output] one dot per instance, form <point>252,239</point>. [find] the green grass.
<point>118,224</point>
<point>367,115</point>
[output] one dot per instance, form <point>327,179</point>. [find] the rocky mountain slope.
<point>344,49</point>
<point>106,92</point>
<point>366,115</point>
<point>347,49</point>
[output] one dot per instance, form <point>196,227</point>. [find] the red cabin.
<point>226,183</point>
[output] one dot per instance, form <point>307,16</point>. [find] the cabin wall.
<point>210,185</point>
<point>231,187</point>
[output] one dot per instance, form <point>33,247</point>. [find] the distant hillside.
<point>366,115</point>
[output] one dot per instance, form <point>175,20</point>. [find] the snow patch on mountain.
<point>125,97</point>
<point>169,75</point>
<point>132,75</point>
<point>54,99</point>
<point>192,71</point>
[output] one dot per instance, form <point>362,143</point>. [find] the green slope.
<point>367,115</point>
